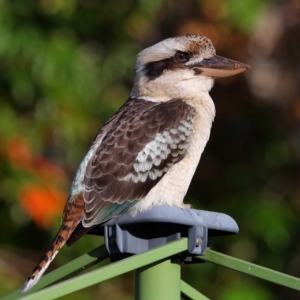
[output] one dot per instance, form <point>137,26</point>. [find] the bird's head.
<point>180,67</point>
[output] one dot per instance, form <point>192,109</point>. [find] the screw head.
<point>198,242</point>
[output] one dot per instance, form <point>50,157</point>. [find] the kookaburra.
<point>147,152</point>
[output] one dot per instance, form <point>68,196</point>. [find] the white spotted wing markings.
<point>168,143</point>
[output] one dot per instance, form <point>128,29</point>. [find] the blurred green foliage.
<point>66,66</point>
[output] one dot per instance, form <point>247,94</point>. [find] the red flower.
<point>42,204</point>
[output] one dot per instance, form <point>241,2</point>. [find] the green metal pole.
<point>190,292</point>
<point>158,281</point>
<point>251,269</point>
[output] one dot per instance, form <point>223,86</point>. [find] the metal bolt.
<point>198,242</point>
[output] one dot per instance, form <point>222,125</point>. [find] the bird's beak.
<point>219,66</point>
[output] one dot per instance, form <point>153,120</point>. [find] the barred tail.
<point>71,218</point>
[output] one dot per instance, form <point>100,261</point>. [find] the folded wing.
<point>145,139</point>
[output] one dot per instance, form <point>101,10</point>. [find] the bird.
<point>147,152</point>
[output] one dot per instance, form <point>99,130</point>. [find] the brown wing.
<point>146,139</point>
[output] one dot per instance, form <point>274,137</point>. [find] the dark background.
<point>66,66</point>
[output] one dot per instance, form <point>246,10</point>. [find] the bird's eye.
<point>181,57</point>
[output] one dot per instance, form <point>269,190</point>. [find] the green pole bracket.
<point>251,269</point>
<point>154,268</point>
<point>104,273</point>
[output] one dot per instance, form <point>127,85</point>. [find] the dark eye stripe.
<point>155,69</point>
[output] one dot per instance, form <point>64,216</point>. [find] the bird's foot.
<point>190,206</point>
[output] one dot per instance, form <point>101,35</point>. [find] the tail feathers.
<point>60,239</point>
<point>38,271</point>
<point>72,217</point>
